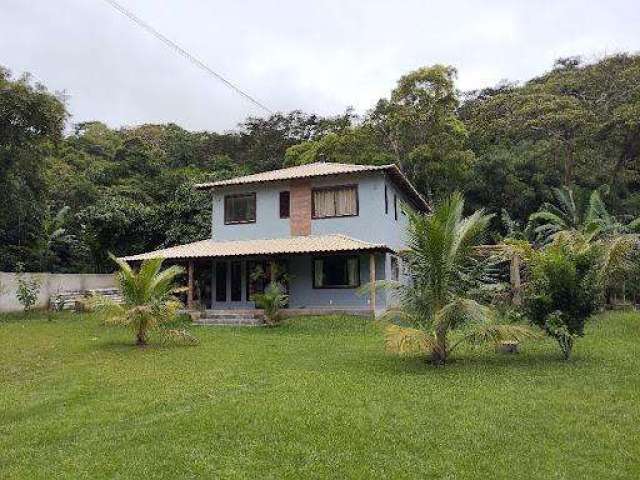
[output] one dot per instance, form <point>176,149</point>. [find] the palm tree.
<point>272,301</point>
<point>616,238</point>
<point>440,248</point>
<point>595,222</point>
<point>599,220</point>
<point>149,299</point>
<point>552,219</point>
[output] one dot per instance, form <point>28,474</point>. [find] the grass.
<point>316,398</point>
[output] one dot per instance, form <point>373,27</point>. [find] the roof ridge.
<point>297,171</point>
<point>348,237</point>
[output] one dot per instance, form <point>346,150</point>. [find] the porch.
<point>315,284</point>
<point>321,274</point>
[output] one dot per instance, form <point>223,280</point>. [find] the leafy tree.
<point>54,235</point>
<point>28,115</point>
<point>506,147</point>
<point>267,140</point>
<point>187,204</point>
<point>31,120</point>
<point>119,225</point>
<point>584,114</point>
<point>437,302</point>
<point>513,179</point>
<point>564,289</point>
<point>420,127</point>
<point>354,145</point>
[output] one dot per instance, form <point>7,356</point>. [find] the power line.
<point>178,49</point>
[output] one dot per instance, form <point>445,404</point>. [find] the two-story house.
<point>323,229</point>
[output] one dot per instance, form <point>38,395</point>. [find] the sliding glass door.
<point>228,282</point>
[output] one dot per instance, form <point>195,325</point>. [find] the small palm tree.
<point>440,247</point>
<point>272,301</point>
<point>149,299</point>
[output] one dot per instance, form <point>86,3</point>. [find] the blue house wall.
<point>302,294</point>
<point>374,224</point>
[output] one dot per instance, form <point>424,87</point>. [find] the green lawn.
<point>316,398</point>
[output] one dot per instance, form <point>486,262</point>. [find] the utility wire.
<point>178,49</point>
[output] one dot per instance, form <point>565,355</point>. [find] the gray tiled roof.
<point>320,169</point>
<point>273,246</point>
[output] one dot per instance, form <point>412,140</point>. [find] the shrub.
<point>272,301</point>
<point>563,291</point>
<point>28,288</point>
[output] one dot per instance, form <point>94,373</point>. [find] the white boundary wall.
<point>51,284</point>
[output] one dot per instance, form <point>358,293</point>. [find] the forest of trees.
<point>69,199</point>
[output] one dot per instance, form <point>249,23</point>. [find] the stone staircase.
<point>239,318</point>
<point>75,299</point>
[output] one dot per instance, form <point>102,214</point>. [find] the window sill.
<point>239,223</point>
<point>337,287</point>
<point>335,216</point>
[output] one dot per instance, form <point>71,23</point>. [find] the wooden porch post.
<point>272,270</point>
<point>515,279</point>
<point>372,282</point>
<point>190,285</point>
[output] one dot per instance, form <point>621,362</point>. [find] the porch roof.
<point>271,246</point>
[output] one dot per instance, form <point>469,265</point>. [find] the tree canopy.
<point>69,198</point>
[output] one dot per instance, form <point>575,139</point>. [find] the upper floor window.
<point>395,269</point>
<point>395,207</point>
<point>285,204</point>
<point>240,208</point>
<point>386,200</point>
<point>335,202</point>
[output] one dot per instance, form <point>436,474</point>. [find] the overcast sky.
<point>318,56</point>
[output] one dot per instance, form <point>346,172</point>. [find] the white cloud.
<point>319,56</point>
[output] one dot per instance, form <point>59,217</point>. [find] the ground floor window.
<point>338,271</point>
<point>395,268</point>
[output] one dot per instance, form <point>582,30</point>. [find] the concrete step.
<point>239,312</point>
<point>228,318</point>
<point>241,322</point>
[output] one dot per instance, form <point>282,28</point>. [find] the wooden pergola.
<point>515,263</point>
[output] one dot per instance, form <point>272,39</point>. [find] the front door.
<point>236,281</point>
<point>228,284</point>
<point>221,282</point>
